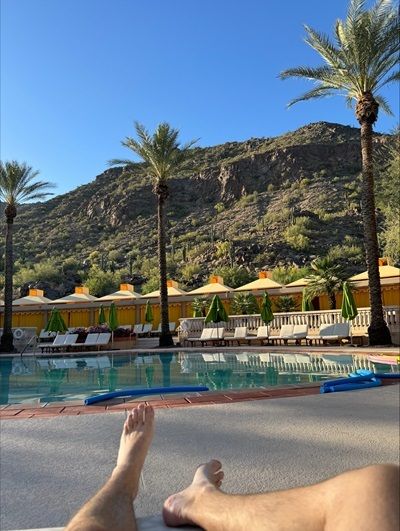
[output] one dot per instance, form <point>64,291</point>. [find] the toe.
<point>214,465</point>
<point>219,476</point>
<point>149,414</point>
<point>135,417</point>
<point>129,422</point>
<point>141,414</point>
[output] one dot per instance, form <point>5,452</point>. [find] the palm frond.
<point>17,183</point>
<point>317,92</point>
<point>384,105</point>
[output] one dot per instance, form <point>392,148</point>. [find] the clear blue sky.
<point>77,73</point>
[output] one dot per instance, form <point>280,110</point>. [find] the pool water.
<point>38,380</point>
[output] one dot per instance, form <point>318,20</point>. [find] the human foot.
<point>178,508</point>
<point>136,437</point>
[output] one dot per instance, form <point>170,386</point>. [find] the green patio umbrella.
<point>56,322</point>
<point>102,316</point>
<point>266,309</point>
<point>349,307</point>
<point>216,312</point>
<point>148,314</point>
<point>112,320</point>
<point>306,303</point>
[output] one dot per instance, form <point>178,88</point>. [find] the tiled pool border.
<point>51,409</point>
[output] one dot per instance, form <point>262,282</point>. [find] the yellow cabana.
<point>299,283</point>
<point>216,285</point>
<point>262,283</point>
<point>173,290</point>
<point>389,275</point>
<point>390,286</point>
<point>81,295</point>
<point>125,292</point>
<point>35,296</point>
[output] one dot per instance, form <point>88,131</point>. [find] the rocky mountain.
<point>256,204</point>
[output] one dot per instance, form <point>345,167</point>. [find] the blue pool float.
<point>360,379</point>
<point>143,392</point>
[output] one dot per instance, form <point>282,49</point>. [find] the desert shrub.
<point>219,207</point>
<point>287,274</point>
<point>223,249</point>
<point>278,216</point>
<point>286,303</point>
<point>101,282</point>
<point>233,276</point>
<point>249,198</point>
<point>297,235</point>
<point>43,271</point>
<point>188,271</point>
<point>270,188</point>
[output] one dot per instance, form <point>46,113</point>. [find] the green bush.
<point>44,271</point>
<point>287,274</point>
<point>233,276</point>
<point>286,303</point>
<point>219,207</point>
<point>101,282</point>
<point>297,235</point>
<point>244,304</point>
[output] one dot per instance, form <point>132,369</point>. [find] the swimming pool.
<point>39,380</point>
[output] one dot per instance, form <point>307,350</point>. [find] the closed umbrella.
<point>216,312</point>
<point>102,316</point>
<point>306,303</point>
<point>266,309</point>
<point>349,307</point>
<point>56,322</point>
<point>148,314</point>
<point>112,320</point>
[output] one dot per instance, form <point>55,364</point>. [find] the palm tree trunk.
<point>166,336</point>
<point>332,300</point>
<point>6,342</point>
<point>378,331</point>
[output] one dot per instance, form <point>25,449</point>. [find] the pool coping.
<point>53,409</point>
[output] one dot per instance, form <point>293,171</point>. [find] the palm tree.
<point>16,186</point>
<point>163,156</point>
<point>324,278</point>
<point>357,65</point>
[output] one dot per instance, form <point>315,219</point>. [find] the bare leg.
<point>112,506</point>
<point>365,500</point>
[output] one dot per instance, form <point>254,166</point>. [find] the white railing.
<point>314,319</point>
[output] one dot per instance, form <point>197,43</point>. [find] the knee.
<point>388,474</point>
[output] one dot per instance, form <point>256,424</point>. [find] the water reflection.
<point>69,378</point>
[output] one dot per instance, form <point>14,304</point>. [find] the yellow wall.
<point>126,315</point>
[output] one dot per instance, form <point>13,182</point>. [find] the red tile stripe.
<point>23,411</point>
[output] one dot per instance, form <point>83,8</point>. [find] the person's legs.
<point>365,500</point>
<point>112,506</point>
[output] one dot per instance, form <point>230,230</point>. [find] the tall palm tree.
<point>16,186</point>
<point>325,277</point>
<point>163,156</point>
<point>360,61</point>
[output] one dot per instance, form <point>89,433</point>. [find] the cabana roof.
<point>216,285</point>
<point>125,291</point>
<point>81,295</point>
<point>35,296</point>
<point>173,290</point>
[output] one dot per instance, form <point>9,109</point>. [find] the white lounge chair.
<point>204,336</point>
<point>49,347</point>
<point>299,332</point>
<point>90,341</point>
<point>147,327</point>
<point>103,339</point>
<point>137,328</point>
<point>262,334</point>
<point>239,335</point>
<point>331,332</point>
<point>285,333</point>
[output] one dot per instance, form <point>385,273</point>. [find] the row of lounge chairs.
<point>147,329</point>
<point>69,342</point>
<point>297,333</point>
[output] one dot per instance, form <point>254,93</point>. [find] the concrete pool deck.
<point>51,466</point>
